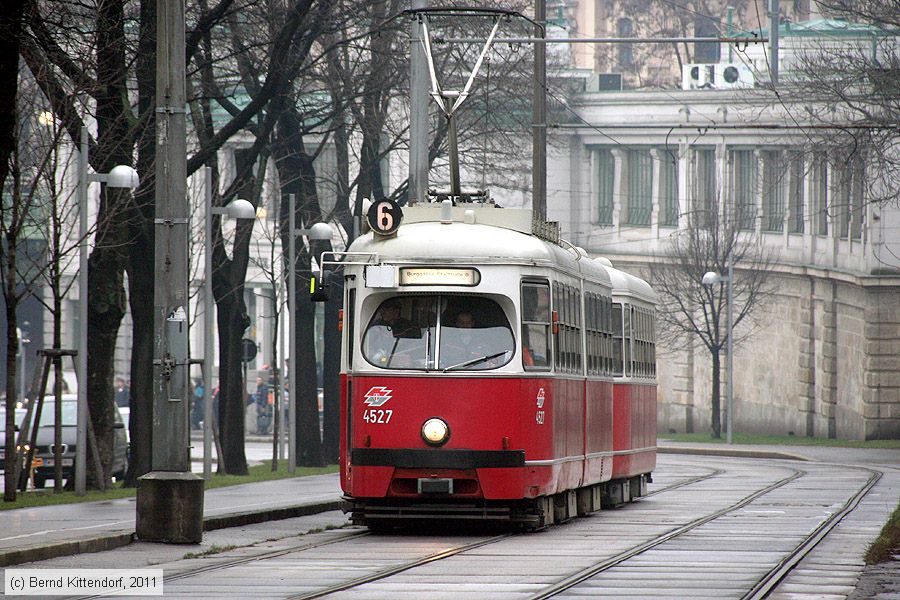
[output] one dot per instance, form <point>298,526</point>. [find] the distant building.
<point>637,163</point>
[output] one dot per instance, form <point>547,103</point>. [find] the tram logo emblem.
<point>377,395</point>
<point>540,398</point>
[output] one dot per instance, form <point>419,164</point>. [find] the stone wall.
<point>822,359</point>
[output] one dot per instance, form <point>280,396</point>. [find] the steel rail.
<point>585,574</point>
<point>453,552</point>
<point>384,573</point>
<point>770,580</point>
<point>227,564</point>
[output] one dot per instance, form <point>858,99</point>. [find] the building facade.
<point>823,361</point>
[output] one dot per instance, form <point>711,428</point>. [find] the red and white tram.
<point>488,373</point>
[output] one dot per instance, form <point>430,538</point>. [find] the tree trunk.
<point>331,372</point>
<point>295,168</point>
<point>10,32</point>
<point>106,266</point>
<point>12,341</point>
<point>716,395</point>
<point>331,359</point>
<point>309,442</point>
<point>106,308</point>
<point>228,290</point>
<point>140,270</point>
<point>233,321</point>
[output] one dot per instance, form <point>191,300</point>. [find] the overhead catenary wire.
<point>607,40</point>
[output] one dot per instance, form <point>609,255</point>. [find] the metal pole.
<point>539,117</point>
<point>292,336</point>
<point>81,366</point>
<point>170,436</point>
<point>282,432</point>
<point>729,29</point>
<point>730,398</point>
<point>774,24</point>
<point>207,327</point>
<point>418,116</point>
<point>20,335</point>
<point>170,497</point>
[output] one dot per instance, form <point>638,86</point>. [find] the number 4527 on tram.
<point>489,373</point>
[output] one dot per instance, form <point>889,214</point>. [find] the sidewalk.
<point>31,534</point>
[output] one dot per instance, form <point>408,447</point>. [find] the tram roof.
<point>626,284</point>
<point>431,242</point>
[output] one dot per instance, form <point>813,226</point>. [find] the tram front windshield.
<point>437,332</point>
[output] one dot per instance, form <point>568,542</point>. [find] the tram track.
<point>768,582</point>
<point>385,573</point>
<point>382,573</point>
<point>388,572</point>
<point>230,563</point>
<point>575,579</point>
<point>776,575</point>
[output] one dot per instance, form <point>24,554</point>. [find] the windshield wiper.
<point>475,361</point>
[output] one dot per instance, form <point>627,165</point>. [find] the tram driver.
<point>395,323</point>
<point>469,344</point>
<point>447,333</point>
<point>392,339</point>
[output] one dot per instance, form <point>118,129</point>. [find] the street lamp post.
<point>319,231</point>
<point>236,209</point>
<point>121,176</point>
<point>709,279</point>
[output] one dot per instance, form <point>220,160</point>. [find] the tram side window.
<point>349,312</point>
<point>607,336</point>
<point>567,300</point>
<point>617,339</point>
<point>594,331</point>
<point>536,325</point>
<point>577,345</point>
<point>558,333</point>
<point>566,324</point>
<point>628,334</point>
<point>639,358</point>
<point>645,348</point>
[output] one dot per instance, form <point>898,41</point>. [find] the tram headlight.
<point>435,432</point>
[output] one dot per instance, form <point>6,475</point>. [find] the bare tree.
<point>268,259</point>
<point>852,86</point>
<point>267,51</point>
<point>688,310</point>
<point>10,32</point>
<point>35,214</point>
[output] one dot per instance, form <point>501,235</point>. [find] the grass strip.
<point>780,440</point>
<point>257,473</point>
<point>887,544</point>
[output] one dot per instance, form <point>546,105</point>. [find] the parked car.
<point>43,463</point>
